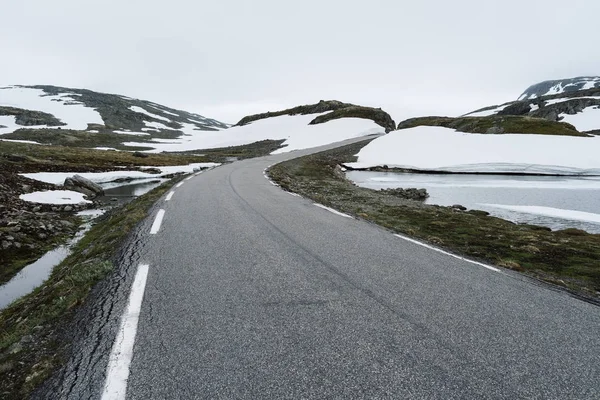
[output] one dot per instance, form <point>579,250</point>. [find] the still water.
<point>555,202</point>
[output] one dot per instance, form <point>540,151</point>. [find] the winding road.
<point>236,289</point>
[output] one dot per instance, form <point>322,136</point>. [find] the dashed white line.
<point>336,212</point>
<point>447,253</point>
<point>179,185</point>
<point>170,195</point>
<point>157,222</point>
<point>188,178</point>
<point>117,372</point>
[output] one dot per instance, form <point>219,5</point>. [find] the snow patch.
<point>55,197</point>
<point>142,111</point>
<point>587,120</point>
<point>70,111</point>
<point>58,178</point>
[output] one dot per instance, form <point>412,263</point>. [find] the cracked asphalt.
<point>256,294</point>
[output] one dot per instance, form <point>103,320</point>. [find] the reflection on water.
<point>482,191</point>
<point>131,189</point>
<point>35,274</point>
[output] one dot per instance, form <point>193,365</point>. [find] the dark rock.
<point>152,170</point>
<point>15,158</point>
<point>459,207</point>
<point>518,108</point>
<point>409,194</point>
<point>495,130</point>
<point>83,185</point>
<point>68,208</point>
<point>140,154</point>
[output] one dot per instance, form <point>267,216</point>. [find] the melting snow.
<point>58,178</point>
<point>441,149</point>
<point>141,110</point>
<point>55,197</point>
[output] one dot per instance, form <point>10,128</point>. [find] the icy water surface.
<point>555,202</point>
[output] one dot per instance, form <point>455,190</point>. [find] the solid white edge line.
<point>170,195</point>
<point>179,185</point>
<point>117,371</point>
<point>188,178</point>
<point>336,212</point>
<point>447,253</point>
<point>293,194</point>
<point>157,222</point>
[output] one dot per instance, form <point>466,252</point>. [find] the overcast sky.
<point>227,58</point>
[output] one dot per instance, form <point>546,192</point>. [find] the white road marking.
<point>157,221</point>
<point>179,185</point>
<point>188,178</point>
<point>197,173</point>
<point>273,183</point>
<point>293,194</point>
<point>170,195</point>
<point>117,372</point>
<point>447,253</point>
<point>336,212</point>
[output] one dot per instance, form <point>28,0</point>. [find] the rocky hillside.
<point>549,88</point>
<point>573,101</point>
<point>84,118</point>
<point>330,110</point>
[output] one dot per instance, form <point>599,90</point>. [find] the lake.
<point>555,202</point>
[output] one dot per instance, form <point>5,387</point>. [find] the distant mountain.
<point>84,118</point>
<point>548,88</point>
<point>575,101</point>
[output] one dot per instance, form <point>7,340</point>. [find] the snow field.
<point>441,149</point>
<point>294,129</point>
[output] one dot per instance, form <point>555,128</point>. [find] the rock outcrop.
<point>334,109</point>
<point>83,185</point>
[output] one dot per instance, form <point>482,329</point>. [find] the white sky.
<point>227,58</point>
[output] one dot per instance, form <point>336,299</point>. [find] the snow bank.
<point>294,129</point>
<point>429,148</point>
<point>70,111</point>
<point>587,120</point>
<point>55,197</point>
<point>58,178</point>
<point>572,215</point>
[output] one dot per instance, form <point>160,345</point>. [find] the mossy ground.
<point>568,258</point>
<point>24,365</point>
<point>508,123</point>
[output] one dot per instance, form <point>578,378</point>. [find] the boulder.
<point>83,185</point>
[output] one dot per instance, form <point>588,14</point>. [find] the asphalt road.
<point>257,294</point>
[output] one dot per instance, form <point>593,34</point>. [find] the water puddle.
<point>36,273</point>
<point>132,189</point>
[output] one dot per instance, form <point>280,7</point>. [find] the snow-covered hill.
<point>575,101</point>
<point>83,118</point>
<point>549,88</point>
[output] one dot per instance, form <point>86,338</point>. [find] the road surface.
<point>250,292</point>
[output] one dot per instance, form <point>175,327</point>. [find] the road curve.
<point>254,293</point>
